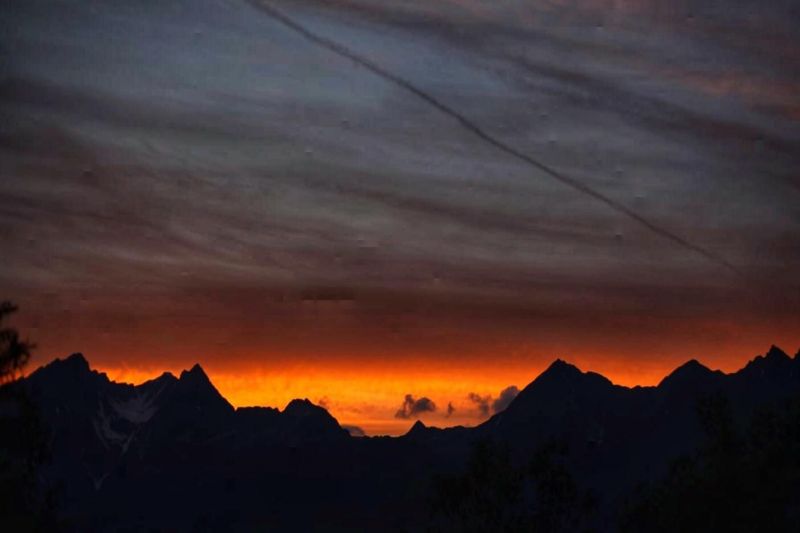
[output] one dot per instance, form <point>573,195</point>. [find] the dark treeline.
<point>744,478</point>
<point>495,494</point>
<point>741,480</point>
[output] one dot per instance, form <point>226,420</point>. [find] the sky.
<point>363,201</point>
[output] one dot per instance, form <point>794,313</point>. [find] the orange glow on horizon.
<point>368,395</point>
<point>361,366</point>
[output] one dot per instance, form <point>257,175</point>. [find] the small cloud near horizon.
<point>325,403</point>
<point>505,398</point>
<point>481,402</point>
<point>354,431</point>
<point>413,408</point>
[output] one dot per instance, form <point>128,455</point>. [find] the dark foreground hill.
<point>172,454</point>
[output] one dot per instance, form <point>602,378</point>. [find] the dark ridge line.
<point>467,124</point>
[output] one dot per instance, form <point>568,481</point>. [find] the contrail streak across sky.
<point>487,137</point>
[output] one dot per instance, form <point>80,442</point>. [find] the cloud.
<point>481,402</point>
<point>413,408</point>
<point>325,403</point>
<point>505,398</point>
<point>354,431</point>
<point>450,409</point>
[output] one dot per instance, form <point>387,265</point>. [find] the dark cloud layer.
<point>193,177</point>
<point>412,408</point>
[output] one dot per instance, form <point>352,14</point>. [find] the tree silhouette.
<point>739,481</point>
<point>14,354</point>
<point>486,497</point>
<point>494,494</point>
<point>24,504</point>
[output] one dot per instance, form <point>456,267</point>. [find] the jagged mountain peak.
<point>73,367</point>
<point>75,362</point>
<point>776,353</point>
<point>304,407</point>
<point>166,376</point>
<point>775,361</point>
<point>194,373</point>
<point>195,379</point>
<point>163,382</point>
<point>78,360</point>
<point>195,387</point>
<point>299,402</point>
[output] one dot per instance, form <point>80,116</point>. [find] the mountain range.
<point>173,454</point>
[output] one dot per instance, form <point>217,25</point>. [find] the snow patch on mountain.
<point>137,409</point>
<point>102,427</point>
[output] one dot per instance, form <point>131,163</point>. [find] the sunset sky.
<point>198,181</point>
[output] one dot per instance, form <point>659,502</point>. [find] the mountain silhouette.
<point>775,364</point>
<point>173,453</point>
<point>690,375</point>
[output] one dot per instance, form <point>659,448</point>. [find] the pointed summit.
<point>418,428</point>
<point>691,374</point>
<point>691,367</point>
<point>561,373</point>
<point>560,364</point>
<point>195,386</point>
<point>561,369</point>
<point>559,381</point>
<point>776,353</point>
<point>75,361</point>
<point>196,378</point>
<point>560,395</point>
